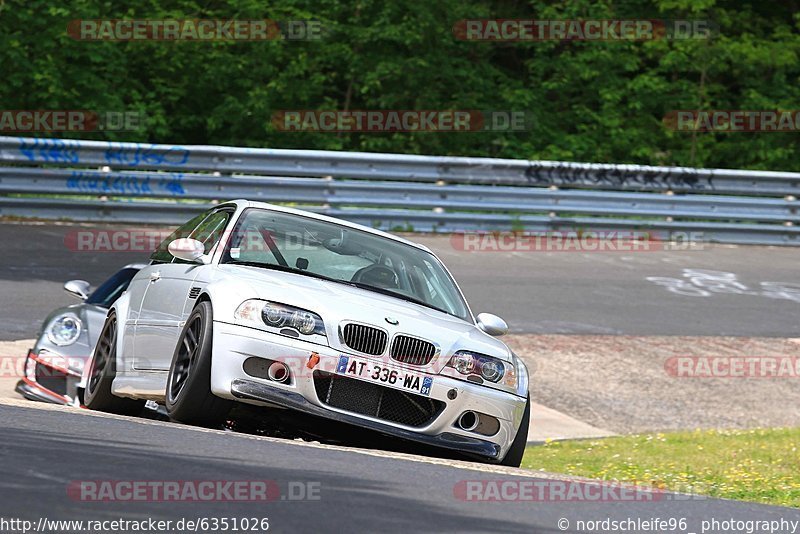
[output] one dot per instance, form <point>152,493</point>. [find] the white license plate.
<point>384,375</point>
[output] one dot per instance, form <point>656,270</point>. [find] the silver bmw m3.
<point>281,308</point>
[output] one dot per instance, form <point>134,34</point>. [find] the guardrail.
<point>140,183</point>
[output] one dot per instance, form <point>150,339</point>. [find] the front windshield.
<point>322,249</point>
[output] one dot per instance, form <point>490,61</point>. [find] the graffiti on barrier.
<point>631,176</point>
<point>135,154</point>
<point>50,150</point>
<point>91,182</point>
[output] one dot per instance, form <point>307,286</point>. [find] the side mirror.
<point>186,249</point>
<point>78,288</point>
<point>492,324</point>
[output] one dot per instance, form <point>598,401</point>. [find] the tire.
<point>188,396</point>
<point>97,395</point>
<point>513,457</point>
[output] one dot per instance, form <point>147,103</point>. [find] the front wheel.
<point>513,457</point>
<point>103,369</point>
<point>188,396</point>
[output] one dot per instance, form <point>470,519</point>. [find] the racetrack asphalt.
<point>536,292</point>
<point>46,449</point>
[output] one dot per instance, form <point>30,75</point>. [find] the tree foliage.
<point>600,101</point>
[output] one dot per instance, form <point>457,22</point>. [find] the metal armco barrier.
<point>166,184</point>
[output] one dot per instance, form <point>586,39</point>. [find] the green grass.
<point>751,465</point>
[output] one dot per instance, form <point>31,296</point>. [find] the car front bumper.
<point>48,378</point>
<point>234,344</point>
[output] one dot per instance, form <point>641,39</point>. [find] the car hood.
<point>337,303</point>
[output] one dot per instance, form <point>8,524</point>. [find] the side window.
<point>161,254</point>
<point>210,230</point>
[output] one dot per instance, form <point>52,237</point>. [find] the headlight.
<point>281,317</point>
<point>463,362</point>
<point>474,364</point>
<point>489,371</point>
<point>64,329</point>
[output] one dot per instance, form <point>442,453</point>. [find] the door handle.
<point>154,276</point>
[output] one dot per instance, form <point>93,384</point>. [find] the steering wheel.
<point>378,276</point>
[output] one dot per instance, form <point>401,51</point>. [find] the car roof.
<point>283,209</point>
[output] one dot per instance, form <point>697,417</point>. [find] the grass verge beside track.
<point>761,465</point>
